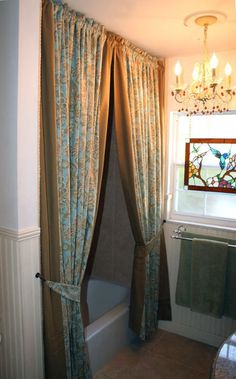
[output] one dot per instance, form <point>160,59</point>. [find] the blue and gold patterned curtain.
<point>80,139</point>
<point>78,65</point>
<point>138,131</point>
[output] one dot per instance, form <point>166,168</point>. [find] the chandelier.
<point>207,94</point>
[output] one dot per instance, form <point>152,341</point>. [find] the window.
<point>205,207</point>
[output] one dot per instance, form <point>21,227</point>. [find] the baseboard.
<point>190,332</point>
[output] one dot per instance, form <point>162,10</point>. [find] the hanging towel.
<point>230,288</point>
<point>208,276</point>
<point>182,295</point>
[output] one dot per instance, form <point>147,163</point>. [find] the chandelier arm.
<point>205,41</point>
<point>225,99</point>
<point>179,97</point>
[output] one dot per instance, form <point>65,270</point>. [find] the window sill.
<point>201,224</point>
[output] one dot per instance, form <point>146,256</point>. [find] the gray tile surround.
<point>114,255</point>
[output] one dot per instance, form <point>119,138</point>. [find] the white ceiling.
<point>158,25</point>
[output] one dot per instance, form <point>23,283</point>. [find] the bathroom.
<point>21,346</point>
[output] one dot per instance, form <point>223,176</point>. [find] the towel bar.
<point>178,235</point>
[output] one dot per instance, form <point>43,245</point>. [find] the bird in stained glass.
<point>221,157</point>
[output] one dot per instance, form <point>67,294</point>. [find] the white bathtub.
<point>108,332</point>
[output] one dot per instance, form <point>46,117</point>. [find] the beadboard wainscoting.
<point>21,351</point>
<point>190,324</point>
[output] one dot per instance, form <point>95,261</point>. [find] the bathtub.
<point>108,331</point>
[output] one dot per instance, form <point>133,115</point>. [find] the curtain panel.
<point>54,352</point>
<point>80,84</point>
<point>138,132</point>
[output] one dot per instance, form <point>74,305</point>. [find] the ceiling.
<point>158,25</point>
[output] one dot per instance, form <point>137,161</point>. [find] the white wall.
<point>9,12</point>
<point>21,349</point>
<point>28,113</point>
<point>19,103</point>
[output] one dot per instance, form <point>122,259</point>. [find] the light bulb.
<point>228,69</point>
<point>178,68</point>
<point>228,72</point>
<point>214,61</point>
<point>195,73</point>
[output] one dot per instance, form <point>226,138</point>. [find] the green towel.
<point>182,296</point>
<point>208,273</point>
<point>230,289</point>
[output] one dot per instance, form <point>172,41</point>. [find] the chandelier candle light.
<point>207,93</point>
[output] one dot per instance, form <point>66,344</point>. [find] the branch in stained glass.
<point>210,165</point>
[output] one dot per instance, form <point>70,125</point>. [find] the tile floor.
<point>165,356</point>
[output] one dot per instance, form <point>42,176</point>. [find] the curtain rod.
<point>178,235</point>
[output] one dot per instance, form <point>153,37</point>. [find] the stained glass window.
<point>210,165</point>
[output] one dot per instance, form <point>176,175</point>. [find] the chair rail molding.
<point>20,234</point>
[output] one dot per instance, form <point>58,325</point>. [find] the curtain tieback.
<point>141,251</point>
<point>138,282</point>
<point>67,291</point>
